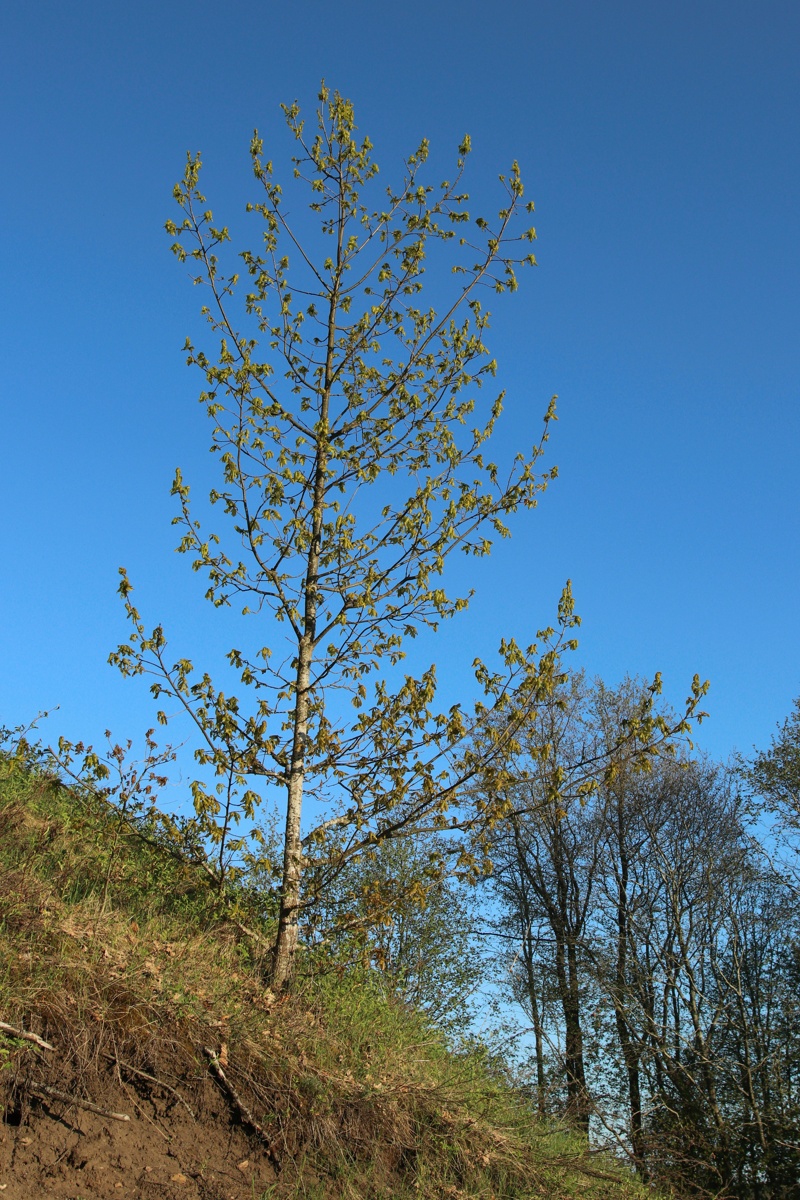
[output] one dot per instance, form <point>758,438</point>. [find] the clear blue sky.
<point>660,143</point>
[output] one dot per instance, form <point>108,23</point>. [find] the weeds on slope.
<point>126,960</point>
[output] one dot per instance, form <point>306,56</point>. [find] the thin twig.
<point>146,1116</point>
<point>150,1079</point>
<point>244,1111</point>
<point>251,933</point>
<point>578,1165</point>
<point>25,1036</point>
<point>44,1093</point>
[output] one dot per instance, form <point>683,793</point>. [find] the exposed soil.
<point>49,1148</point>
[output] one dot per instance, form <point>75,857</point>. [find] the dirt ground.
<point>61,1151</point>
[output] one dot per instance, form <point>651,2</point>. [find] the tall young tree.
<point>346,412</point>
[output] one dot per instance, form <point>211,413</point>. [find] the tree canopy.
<point>352,433</point>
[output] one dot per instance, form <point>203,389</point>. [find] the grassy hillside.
<point>152,1001</point>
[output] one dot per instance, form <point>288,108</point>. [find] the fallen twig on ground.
<point>244,1111</point>
<point>47,1093</point>
<point>25,1035</point>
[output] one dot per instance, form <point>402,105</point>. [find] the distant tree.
<point>777,770</point>
<point>656,947</point>
<point>400,911</point>
<point>711,964</point>
<point>693,941</point>
<point>773,777</point>
<point>548,872</point>
<point>352,444</point>
<point>579,746</point>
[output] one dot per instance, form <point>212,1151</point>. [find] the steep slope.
<point>169,1069</point>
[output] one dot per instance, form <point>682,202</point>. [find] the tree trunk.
<point>288,927</point>
<point>288,918</point>
<point>536,1017</point>
<point>577,1095</point>
<point>630,1053</point>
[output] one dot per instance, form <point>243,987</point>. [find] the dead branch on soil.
<point>25,1036</point>
<point>46,1093</point>
<point>243,1110</point>
<point>269,946</point>
<point>577,1164</point>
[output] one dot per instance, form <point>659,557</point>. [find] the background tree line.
<point>651,936</point>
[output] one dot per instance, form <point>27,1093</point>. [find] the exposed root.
<point>43,1092</point>
<point>244,1112</point>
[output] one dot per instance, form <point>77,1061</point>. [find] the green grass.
<point>115,949</point>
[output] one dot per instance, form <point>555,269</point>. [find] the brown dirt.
<point>51,1149</point>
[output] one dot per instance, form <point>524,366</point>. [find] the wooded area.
<point>651,934</point>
